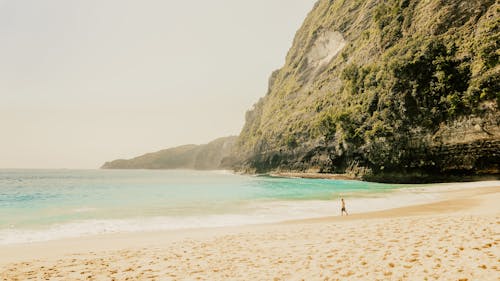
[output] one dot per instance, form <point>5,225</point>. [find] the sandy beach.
<point>312,175</point>
<point>454,239</point>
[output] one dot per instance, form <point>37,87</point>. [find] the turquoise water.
<point>40,205</point>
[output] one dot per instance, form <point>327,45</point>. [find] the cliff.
<point>395,90</point>
<point>199,157</point>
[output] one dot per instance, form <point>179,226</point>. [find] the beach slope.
<point>455,239</point>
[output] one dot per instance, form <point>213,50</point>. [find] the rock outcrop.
<point>393,91</point>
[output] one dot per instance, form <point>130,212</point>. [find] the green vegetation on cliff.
<point>199,157</point>
<point>386,90</point>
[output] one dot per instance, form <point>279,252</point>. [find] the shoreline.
<point>389,179</point>
<point>456,238</point>
<point>312,176</point>
<point>455,201</point>
<point>274,212</point>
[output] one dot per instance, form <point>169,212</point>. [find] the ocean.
<point>41,205</point>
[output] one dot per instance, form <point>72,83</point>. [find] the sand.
<point>455,239</point>
<point>312,175</point>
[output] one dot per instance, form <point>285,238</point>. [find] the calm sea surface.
<point>39,205</point>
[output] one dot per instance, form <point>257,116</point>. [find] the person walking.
<point>343,210</point>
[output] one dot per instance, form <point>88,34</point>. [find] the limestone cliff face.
<point>395,90</point>
<point>198,157</point>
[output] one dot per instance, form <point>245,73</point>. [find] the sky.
<point>84,82</point>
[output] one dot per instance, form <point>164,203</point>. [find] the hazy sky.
<point>83,82</point>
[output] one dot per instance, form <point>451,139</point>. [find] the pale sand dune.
<point>457,239</point>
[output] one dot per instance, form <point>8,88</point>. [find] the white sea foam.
<point>93,227</point>
<point>441,187</point>
<point>256,212</point>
